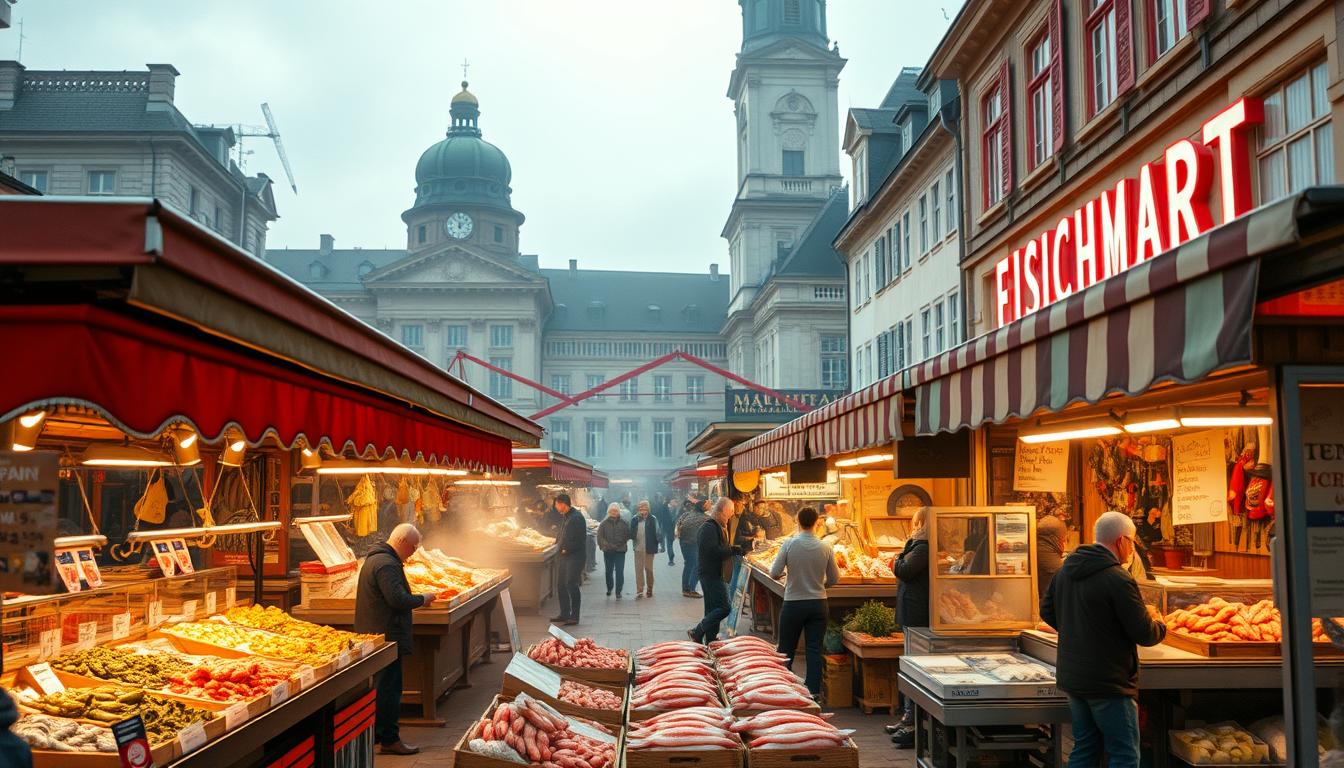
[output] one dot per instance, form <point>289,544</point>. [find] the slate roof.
<point>874,119</point>
<point>342,265</point>
<point>89,110</point>
<point>903,89</point>
<point>813,255</point>
<point>625,298</point>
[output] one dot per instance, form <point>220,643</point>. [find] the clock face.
<point>458,226</point>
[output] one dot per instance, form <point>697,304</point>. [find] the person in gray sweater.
<point>811,568</point>
<point>612,535</point>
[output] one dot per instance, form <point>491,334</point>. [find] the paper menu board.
<point>68,569</point>
<point>183,556</point>
<point>1199,478</point>
<point>534,674</point>
<point>163,555</point>
<point>89,567</point>
<point>28,485</point>
<point>1041,467</point>
<point>1011,544</point>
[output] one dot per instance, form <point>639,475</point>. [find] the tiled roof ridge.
<point>86,82</point>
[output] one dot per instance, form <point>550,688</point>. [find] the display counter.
<point>446,643</point>
<point>767,598</point>
<point>533,575</point>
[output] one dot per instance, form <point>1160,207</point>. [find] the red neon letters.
<point>1167,204</point>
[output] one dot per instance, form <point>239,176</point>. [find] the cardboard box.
<point>837,681</point>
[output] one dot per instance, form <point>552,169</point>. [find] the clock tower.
<point>462,189</point>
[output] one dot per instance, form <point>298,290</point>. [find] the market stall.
<point>178,398</point>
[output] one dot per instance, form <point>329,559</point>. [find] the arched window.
<point>316,271</point>
<point>365,267</point>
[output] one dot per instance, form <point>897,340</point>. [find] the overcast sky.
<point>612,112</point>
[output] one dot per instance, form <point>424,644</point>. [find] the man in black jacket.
<point>383,605</point>
<point>569,563</point>
<point>716,565</point>
<point>912,606</point>
<point>1095,606</point>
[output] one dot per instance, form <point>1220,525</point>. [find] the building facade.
<point>786,312</point>
<point>462,284</point>
<point>120,134</point>
<point>901,240</point>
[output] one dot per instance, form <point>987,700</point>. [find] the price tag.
<point>343,660</point>
<point>279,694</point>
<point>230,596</point>
<point>306,677</point>
<point>50,644</point>
<point>210,603</point>
<point>188,609</point>
<point>235,715</point>
<point>121,626</point>
<point>88,635</point>
<point>46,680</point>
<point>563,636</point>
<point>192,737</point>
<point>89,567</point>
<point>155,613</point>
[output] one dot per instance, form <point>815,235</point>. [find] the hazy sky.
<point>612,112</point>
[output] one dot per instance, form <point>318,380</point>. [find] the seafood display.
<point>59,734</point>
<point>754,676</point>
<point>142,670</point>
<point>510,535</point>
<point>854,563</point>
<point>585,653</point>
<point>789,729</point>
<point>581,695</point>
<point>430,570</point>
<point>1221,621</point>
<point>250,640</point>
<point>692,728</point>
<point>326,640</point>
<point>957,607</point>
<point>238,680</point>
<point>526,731</point>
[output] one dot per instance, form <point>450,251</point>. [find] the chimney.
<point>573,267</point>
<point>327,244</point>
<point>7,165</point>
<point>714,272</point>
<point>162,84</point>
<point>11,78</point>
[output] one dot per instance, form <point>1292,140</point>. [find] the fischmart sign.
<point>1166,203</point>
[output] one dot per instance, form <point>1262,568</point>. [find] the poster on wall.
<point>1199,478</point>
<point>1323,491</point>
<point>1041,468</point>
<point>28,483</point>
<point>775,487</point>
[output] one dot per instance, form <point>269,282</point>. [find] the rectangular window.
<point>793,162</point>
<point>898,346</point>
<point>995,144</point>
<point>1099,34</point>
<point>896,252</point>
<point>939,328</point>
<point>858,280</point>
<point>953,319</point>
<point>629,390</point>
<point>793,12</point>
<point>953,215</point>
<point>1296,147</point>
<point>867,279</point>
<point>883,355</point>
<point>629,435</point>
<point>501,336</point>
<point>860,176</point>
<point>420,234</point>
<point>662,389</point>
<point>833,364</point>
<point>594,432</point>
<point>936,216</point>
<point>455,336</point>
<point>102,182</point>
<point>193,201</point>
<point>560,435</point>
<point>499,233</point>
<point>694,427</point>
<point>880,262</point>
<point>219,218</point>
<point>1041,101</point>
<point>560,383</point>
<point>910,340</point>
<point>413,335</point>
<point>858,365</point>
<point>869,365</point>
<point>596,380</point>
<point>927,330</point>
<point>35,179</point>
<point>1169,24</point>
<point>905,223</point>
<point>662,438</point>
<point>695,389</point>
<point>501,386</point>
<point>923,225</point>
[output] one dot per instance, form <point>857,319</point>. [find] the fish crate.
<point>606,676</point>
<point>684,758</point>
<point>463,757</point>
<point>640,715</point>
<point>846,756</point>
<point>812,706</point>
<point>877,678</point>
<point>513,686</point>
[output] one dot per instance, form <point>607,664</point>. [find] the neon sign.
<point>1166,204</point>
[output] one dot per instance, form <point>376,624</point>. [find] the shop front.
<point>164,436</point>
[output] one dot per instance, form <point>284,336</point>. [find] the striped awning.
<point>863,419</point>
<point>1177,317</point>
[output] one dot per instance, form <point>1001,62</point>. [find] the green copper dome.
<point>463,169</point>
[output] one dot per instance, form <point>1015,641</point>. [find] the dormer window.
<point>793,12</point>
<point>692,312</point>
<point>364,268</point>
<point>907,134</point>
<point>597,310</point>
<point>655,313</point>
<point>317,270</point>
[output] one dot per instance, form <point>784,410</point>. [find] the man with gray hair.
<point>716,565</point>
<point>383,605</point>
<point>1095,606</point>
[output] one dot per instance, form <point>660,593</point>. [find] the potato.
<point>1221,757</point>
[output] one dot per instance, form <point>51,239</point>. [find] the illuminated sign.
<point>1166,204</point>
<point>750,405</point>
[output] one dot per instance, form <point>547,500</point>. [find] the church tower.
<point>788,147</point>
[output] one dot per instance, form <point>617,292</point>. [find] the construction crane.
<point>255,131</point>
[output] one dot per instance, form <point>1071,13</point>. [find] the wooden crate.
<point>513,686</point>
<point>682,758</point>
<point>878,684</point>
<point>42,758</point>
<point>463,757</point>
<point>837,681</point>
<point>591,675</point>
<point>831,757</point>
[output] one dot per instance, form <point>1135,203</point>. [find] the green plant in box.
<point>872,618</point>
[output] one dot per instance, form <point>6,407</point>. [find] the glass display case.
<point>888,533</point>
<point>982,563</point>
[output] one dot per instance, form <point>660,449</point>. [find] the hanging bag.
<point>153,505</point>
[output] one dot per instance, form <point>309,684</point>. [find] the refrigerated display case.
<point>982,568</point>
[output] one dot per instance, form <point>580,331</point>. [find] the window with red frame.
<point>1108,48</point>
<point>996,152</point>
<point>1044,66</point>
<point>1171,20</point>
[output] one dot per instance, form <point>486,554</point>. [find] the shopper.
<point>716,565</point>
<point>912,606</point>
<point>810,565</point>
<point>688,533</point>
<point>383,605</point>
<point>613,533</point>
<point>769,520</point>
<point>1050,533</point>
<point>741,532</point>
<point>646,537</point>
<point>569,563</point>
<point>1095,606</point>
<point>667,525</point>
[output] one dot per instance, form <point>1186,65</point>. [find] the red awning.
<point>863,419</point>
<point>600,480</point>
<point>146,375</point>
<point>562,468</point>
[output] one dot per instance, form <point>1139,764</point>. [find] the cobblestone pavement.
<point>625,623</point>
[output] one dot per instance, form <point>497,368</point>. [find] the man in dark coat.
<point>613,538</point>
<point>687,530</point>
<point>912,605</point>
<point>383,605</point>
<point>1050,533</point>
<point>1095,606</point>
<point>666,512</point>
<point>716,554</point>
<point>569,563</point>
